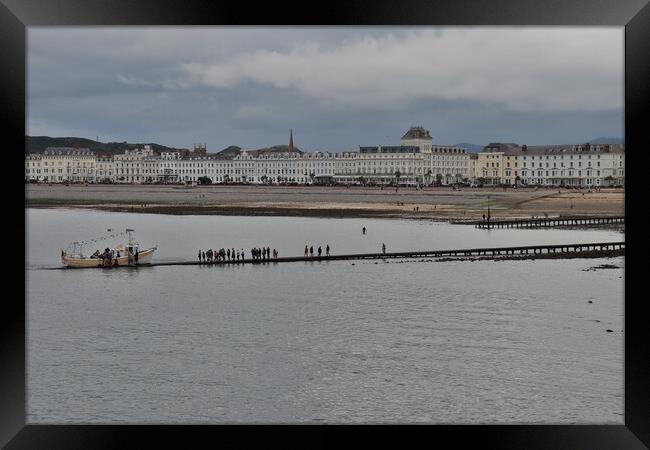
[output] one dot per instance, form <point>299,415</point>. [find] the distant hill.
<point>36,144</point>
<point>608,140</point>
<point>231,150</point>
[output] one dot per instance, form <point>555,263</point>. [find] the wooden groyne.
<point>549,222</point>
<point>492,251</point>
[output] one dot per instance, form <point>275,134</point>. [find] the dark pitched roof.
<point>511,149</point>
<point>417,133</point>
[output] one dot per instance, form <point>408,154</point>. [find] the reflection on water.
<point>407,341</point>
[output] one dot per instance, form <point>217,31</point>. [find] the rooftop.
<point>391,149</point>
<point>511,149</point>
<point>417,133</point>
<point>68,151</point>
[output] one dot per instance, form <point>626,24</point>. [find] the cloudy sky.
<point>337,87</point>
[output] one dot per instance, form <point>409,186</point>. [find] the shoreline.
<point>313,212</point>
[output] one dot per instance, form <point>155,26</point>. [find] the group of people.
<point>109,255</point>
<point>263,253</point>
<point>106,254</point>
<point>230,254</point>
<point>309,250</point>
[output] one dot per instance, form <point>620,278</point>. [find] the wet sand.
<point>315,201</point>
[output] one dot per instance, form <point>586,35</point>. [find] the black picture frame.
<point>634,15</point>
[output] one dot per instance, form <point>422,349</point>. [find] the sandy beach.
<point>442,203</point>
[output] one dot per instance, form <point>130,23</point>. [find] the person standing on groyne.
<point>383,248</point>
<point>327,250</point>
<point>306,251</point>
<point>311,251</point>
<point>320,250</point>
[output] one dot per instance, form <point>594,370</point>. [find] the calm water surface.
<point>333,342</point>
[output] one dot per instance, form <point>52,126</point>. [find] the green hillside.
<point>36,144</point>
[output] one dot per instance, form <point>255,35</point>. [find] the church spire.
<point>291,140</point>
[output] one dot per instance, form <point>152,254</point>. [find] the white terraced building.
<point>416,161</point>
<point>246,167</point>
<point>104,168</point>
<point>582,165</point>
<point>136,166</point>
<point>61,164</point>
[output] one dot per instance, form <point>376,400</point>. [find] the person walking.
<point>199,255</point>
<point>327,250</point>
<point>383,248</point>
<point>306,251</point>
<point>320,250</point>
<point>228,254</point>
<point>363,230</point>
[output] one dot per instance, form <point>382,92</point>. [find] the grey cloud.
<point>337,87</point>
<point>520,69</point>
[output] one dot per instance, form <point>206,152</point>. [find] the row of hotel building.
<point>416,161</point>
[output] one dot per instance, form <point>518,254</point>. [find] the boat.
<point>128,254</point>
